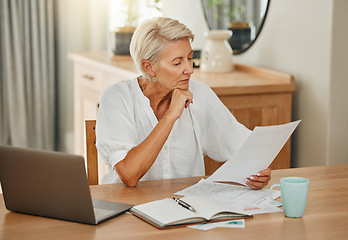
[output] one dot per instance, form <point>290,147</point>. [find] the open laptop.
<point>51,184</point>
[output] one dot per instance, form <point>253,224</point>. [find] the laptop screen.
<point>48,184</point>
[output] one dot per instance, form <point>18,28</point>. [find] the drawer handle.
<point>89,77</point>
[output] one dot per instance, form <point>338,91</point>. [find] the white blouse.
<point>206,127</point>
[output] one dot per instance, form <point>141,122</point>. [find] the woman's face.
<point>175,65</point>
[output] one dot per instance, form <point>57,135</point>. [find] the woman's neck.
<point>159,98</point>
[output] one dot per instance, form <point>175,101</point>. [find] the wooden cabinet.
<point>256,96</point>
<point>93,72</point>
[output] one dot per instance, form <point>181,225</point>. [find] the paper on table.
<point>247,199</point>
<point>256,153</point>
<point>229,224</point>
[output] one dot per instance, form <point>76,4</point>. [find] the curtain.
<point>27,74</point>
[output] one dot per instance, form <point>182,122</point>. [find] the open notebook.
<point>167,213</point>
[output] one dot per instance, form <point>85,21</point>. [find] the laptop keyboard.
<point>101,214</point>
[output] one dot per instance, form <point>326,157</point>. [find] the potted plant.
<point>123,34</point>
<point>240,25</point>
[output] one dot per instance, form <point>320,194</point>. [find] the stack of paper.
<point>251,201</point>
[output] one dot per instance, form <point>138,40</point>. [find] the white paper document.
<point>227,224</point>
<point>256,153</point>
<point>249,200</point>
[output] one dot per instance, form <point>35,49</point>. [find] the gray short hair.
<point>152,35</point>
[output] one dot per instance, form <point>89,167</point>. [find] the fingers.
<point>180,99</point>
<point>255,185</point>
<point>182,95</point>
<point>260,180</point>
<point>189,99</point>
<point>188,102</point>
<point>264,178</point>
<point>266,172</point>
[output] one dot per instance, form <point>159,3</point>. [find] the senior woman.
<point>161,124</point>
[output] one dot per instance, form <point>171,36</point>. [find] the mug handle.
<point>270,194</point>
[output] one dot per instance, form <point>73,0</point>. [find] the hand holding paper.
<point>256,153</point>
<point>260,180</point>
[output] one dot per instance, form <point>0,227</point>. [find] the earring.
<point>154,79</point>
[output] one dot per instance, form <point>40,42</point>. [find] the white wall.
<point>293,42</point>
<point>306,39</point>
<point>309,40</point>
<point>82,26</point>
<point>338,123</point>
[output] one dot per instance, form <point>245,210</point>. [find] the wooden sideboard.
<point>256,96</point>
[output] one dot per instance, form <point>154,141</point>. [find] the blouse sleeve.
<point>221,134</point>
<point>115,131</point>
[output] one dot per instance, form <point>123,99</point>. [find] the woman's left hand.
<point>260,180</point>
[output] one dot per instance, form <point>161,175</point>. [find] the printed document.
<point>249,200</point>
<point>256,153</point>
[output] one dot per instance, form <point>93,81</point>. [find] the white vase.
<point>217,54</point>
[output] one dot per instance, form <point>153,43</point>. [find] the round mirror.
<point>244,18</point>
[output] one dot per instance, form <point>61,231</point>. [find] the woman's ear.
<point>148,67</point>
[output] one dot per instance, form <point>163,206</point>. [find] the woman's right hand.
<point>140,158</point>
<point>180,100</point>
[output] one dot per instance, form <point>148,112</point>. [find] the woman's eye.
<point>178,63</point>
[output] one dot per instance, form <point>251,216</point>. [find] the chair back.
<point>92,153</point>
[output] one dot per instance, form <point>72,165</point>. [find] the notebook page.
<point>208,207</point>
<point>165,211</point>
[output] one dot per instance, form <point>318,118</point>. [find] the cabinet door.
<point>88,86</point>
<point>89,105</point>
<point>90,77</point>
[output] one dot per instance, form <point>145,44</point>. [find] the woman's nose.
<point>189,68</point>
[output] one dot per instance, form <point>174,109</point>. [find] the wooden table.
<point>326,215</point>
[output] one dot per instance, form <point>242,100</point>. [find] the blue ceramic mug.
<point>294,191</point>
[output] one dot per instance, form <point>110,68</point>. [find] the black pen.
<point>184,204</point>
